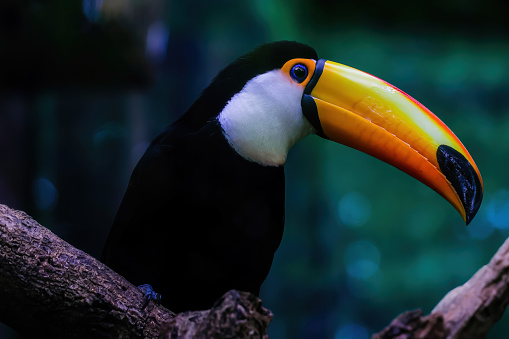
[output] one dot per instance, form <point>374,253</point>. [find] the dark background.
<point>85,85</point>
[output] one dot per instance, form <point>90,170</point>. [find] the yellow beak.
<point>359,110</point>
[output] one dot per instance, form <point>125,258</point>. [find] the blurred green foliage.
<point>86,86</point>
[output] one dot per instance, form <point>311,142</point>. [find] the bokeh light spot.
<point>352,331</point>
<point>497,210</point>
<point>45,194</point>
<point>362,259</point>
<point>479,228</point>
<point>92,9</point>
<point>354,209</point>
<point>157,41</point>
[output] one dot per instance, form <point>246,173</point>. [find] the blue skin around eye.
<point>298,67</point>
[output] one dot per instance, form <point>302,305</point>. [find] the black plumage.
<point>198,219</point>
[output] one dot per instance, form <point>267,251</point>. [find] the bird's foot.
<point>150,294</point>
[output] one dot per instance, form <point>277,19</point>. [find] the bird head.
<point>281,92</point>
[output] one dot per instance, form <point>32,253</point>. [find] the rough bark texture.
<point>235,313</point>
<point>50,289</point>
<point>412,325</point>
<point>468,311</point>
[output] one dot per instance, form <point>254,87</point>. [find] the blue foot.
<point>150,294</point>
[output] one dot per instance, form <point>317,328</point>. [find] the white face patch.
<point>264,120</point>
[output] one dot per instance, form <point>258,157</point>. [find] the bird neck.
<point>264,120</point>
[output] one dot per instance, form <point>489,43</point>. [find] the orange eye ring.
<point>299,71</point>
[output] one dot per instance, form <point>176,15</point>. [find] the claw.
<point>149,294</point>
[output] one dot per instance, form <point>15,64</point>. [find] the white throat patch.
<point>264,120</point>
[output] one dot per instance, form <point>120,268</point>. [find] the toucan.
<point>204,208</point>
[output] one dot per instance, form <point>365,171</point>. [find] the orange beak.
<point>361,111</point>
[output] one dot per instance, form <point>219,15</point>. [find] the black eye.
<point>299,73</point>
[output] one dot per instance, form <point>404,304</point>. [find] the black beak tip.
<point>460,173</point>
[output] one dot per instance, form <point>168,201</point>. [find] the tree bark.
<point>50,289</point>
<point>235,315</point>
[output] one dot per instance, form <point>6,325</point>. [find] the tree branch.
<point>468,311</point>
<point>47,286</point>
